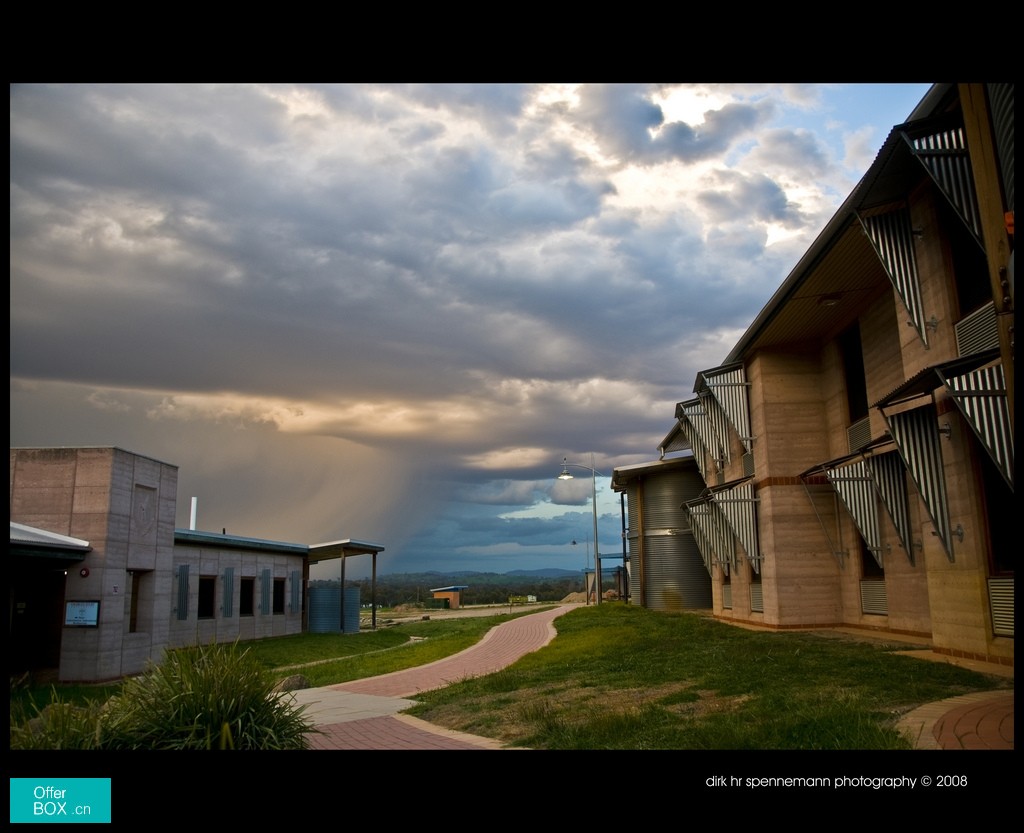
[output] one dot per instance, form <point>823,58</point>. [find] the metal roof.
<point>192,536</point>
<point>22,534</point>
<point>841,264</point>
<point>621,475</point>
<point>342,549</point>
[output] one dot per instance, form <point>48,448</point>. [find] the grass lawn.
<point>623,677</point>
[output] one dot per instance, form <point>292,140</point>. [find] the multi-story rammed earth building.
<point>850,462</point>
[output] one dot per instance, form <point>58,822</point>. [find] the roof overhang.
<point>622,475</point>
<point>45,547</point>
<point>225,541</point>
<point>344,548</point>
<point>841,265</point>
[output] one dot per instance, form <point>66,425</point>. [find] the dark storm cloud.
<point>408,302</point>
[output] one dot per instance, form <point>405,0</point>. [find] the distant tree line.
<point>481,588</point>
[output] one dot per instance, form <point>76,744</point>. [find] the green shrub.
<point>57,725</point>
<point>204,697</point>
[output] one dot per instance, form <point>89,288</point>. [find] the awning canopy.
<point>44,548</point>
<point>977,386</point>
<point>860,480</point>
<point>720,517</point>
<point>341,549</point>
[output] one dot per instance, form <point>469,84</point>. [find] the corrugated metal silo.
<point>674,576</point>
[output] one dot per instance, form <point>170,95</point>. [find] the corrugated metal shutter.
<point>942,150</point>
<point>227,608</point>
<point>701,533</point>
<point>296,589</point>
<point>892,237</point>
<point>266,588</point>
<point>738,505</point>
<point>719,428</point>
<point>1000,98</point>
<point>856,490</point>
<point>1000,598</point>
<point>711,532</point>
<point>183,591</point>
<point>728,385</point>
<point>700,434</point>
<point>873,597</point>
<point>981,397</point>
<point>675,440</point>
<point>917,437</point>
<point>890,478</point>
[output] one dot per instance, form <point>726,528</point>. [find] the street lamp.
<point>566,475</point>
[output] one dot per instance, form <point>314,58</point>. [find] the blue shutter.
<point>229,592</point>
<point>296,591</point>
<point>183,591</point>
<point>265,589</point>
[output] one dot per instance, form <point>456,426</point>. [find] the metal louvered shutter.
<point>873,598</point>
<point>1000,598</point>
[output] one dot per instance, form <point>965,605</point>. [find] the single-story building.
<point>452,594</point>
<point>103,583</point>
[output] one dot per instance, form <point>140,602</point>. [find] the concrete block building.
<point>102,582</point>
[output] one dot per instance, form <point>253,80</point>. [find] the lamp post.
<point>586,569</point>
<point>566,475</point>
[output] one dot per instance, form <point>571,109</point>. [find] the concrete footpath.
<point>365,714</point>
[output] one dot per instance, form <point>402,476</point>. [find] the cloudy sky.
<point>388,312</point>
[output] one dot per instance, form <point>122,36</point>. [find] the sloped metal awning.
<point>938,146</point>
<point>699,431</point>
<point>675,440</point>
<point>728,385</point>
<point>722,516</point>
<point>859,481</point>
<point>977,386</point>
<point>711,534</point>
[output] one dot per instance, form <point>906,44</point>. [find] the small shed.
<point>453,594</point>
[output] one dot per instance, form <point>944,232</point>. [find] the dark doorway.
<point>37,604</point>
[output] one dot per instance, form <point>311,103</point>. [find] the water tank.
<point>660,539</point>
<point>325,610</point>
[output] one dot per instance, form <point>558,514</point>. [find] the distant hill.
<point>549,584</point>
<point>548,572</point>
<point>437,577</point>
